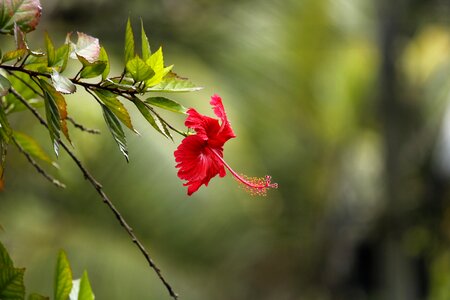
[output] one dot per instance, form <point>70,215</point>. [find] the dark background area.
<point>344,103</point>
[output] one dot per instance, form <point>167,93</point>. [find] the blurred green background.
<point>346,103</point>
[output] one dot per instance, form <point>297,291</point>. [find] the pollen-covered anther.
<point>255,186</point>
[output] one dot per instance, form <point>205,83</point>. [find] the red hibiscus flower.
<point>199,157</point>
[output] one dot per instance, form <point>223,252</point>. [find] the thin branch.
<point>36,165</point>
<point>98,187</point>
<point>82,127</point>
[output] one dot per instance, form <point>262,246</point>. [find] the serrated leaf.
<point>85,288</point>
<point>87,47</point>
<point>14,54</point>
<point>32,147</point>
<point>124,84</point>
<point>38,64</point>
<point>25,13</point>
<point>115,106</point>
<point>116,130</point>
<point>11,284</point>
<point>62,84</point>
<point>155,122</point>
<point>4,86</point>
<point>52,113</point>
<point>104,57</point>
<point>129,42</point>
<point>166,104</point>
<point>156,62</point>
<point>91,70</point>
<point>5,259</point>
<point>35,296</point>
<point>62,56</point>
<point>146,50</point>
<point>63,277</point>
<point>173,83</point>
<point>51,55</point>
<point>139,70</point>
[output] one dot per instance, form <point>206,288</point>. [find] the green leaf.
<point>32,147</point>
<point>173,83</point>
<point>5,128</point>
<point>129,42</point>
<point>38,64</point>
<point>51,54</point>
<point>14,54</point>
<point>104,57</point>
<point>25,13</point>
<point>146,50</point>
<point>138,69</point>
<point>116,130</point>
<point>156,62</point>
<point>5,260</point>
<point>4,86</point>
<point>62,56</point>
<point>115,106</point>
<point>52,113</point>
<point>62,84</point>
<point>166,104</point>
<point>63,277</point>
<point>85,288</point>
<point>91,70</point>
<point>35,296</point>
<point>22,83</point>
<point>154,121</point>
<point>11,284</point>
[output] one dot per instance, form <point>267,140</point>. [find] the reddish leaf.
<point>25,13</point>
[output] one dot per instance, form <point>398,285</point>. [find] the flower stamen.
<point>254,185</point>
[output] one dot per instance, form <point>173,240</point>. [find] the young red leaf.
<point>25,13</point>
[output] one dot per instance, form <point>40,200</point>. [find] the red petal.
<point>197,165</point>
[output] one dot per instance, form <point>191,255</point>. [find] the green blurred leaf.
<point>5,259</point>
<point>146,50</point>
<point>129,42</point>
<point>25,87</point>
<point>35,296</point>
<point>62,84</point>
<point>52,113</point>
<point>25,13</point>
<point>104,57</point>
<point>31,146</point>
<point>63,277</point>
<point>138,69</point>
<point>85,288</point>
<point>154,121</point>
<point>14,54</point>
<point>4,86</point>
<point>116,130</point>
<point>51,54</point>
<point>173,83</point>
<point>116,107</point>
<point>11,284</point>
<point>5,128</point>
<point>166,104</point>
